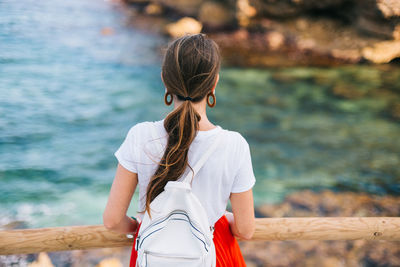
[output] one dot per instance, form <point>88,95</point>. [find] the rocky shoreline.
<point>271,253</point>
<point>266,33</point>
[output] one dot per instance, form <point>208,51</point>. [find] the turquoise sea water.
<point>69,94</point>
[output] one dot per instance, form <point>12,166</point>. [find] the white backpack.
<point>178,233</point>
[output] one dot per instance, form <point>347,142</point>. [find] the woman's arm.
<point>242,221</point>
<point>122,189</point>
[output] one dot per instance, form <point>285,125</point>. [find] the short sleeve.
<point>244,179</point>
<point>127,153</point>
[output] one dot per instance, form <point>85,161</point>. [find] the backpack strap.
<point>199,164</point>
<point>155,138</point>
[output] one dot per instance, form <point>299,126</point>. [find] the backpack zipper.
<point>192,222</point>
<point>167,216</point>
<point>170,256</point>
<point>205,240</point>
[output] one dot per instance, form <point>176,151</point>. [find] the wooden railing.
<point>305,228</point>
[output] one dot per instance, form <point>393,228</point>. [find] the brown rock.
<point>215,15</point>
<point>376,17</point>
<point>389,8</point>
<point>244,12</point>
<point>382,52</point>
<point>275,40</point>
<point>351,55</point>
<point>107,31</point>
<point>396,32</point>
<point>13,225</point>
<point>372,27</point>
<point>43,260</point>
<point>110,262</point>
<point>284,8</point>
<point>184,7</point>
<point>183,26</point>
<point>136,1</point>
<point>286,32</point>
<point>153,9</point>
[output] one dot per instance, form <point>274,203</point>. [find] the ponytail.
<point>182,125</point>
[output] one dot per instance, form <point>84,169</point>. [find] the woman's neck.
<point>200,107</point>
<point>205,124</point>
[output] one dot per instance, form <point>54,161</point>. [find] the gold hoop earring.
<point>208,100</point>
<point>166,98</point>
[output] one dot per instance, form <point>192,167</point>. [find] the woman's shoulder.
<point>142,132</point>
<point>135,129</point>
<point>235,142</point>
<point>143,126</point>
<point>235,136</point>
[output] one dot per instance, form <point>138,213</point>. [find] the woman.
<point>190,73</point>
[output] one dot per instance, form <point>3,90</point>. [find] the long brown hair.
<point>189,69</point>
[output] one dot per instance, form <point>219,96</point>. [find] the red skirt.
<point>226,246</point>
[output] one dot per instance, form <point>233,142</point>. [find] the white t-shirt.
<point>228,169</point>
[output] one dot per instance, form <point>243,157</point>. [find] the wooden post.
<point>305,228</point>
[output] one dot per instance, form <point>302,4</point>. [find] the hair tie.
<point>184,98</point>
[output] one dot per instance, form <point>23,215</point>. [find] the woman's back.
<point>190,72</point>
<point>228,169</point>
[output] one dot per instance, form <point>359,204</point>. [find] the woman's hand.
<point>134,224</point>
<point>229,216</point>
<point>126,226</point>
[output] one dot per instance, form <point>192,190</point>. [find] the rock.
<point>215,15</point>
<point>371,27</point>
<point>139,19</point>
<point>382,52</point>
<point>350,55</point>
<point>285,8</point>
<point>376,17</point>
<point>43,260</point>
<point>14,225</point>
<point>244,12</point>
<point>389,8</point>
<point>153,9</point>
<point>110,262</point>
<point>275,40</point>
<point>183,7</point>
<point>294,42</point>
<point>241,34</point>
<point>118,256</point>
<point>268,33</point>
<point>137,1</point>
<point>107,31</point>
<point>396,32</point>
<point>183,26</point>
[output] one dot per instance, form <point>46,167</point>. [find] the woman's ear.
<point>215,85</point>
